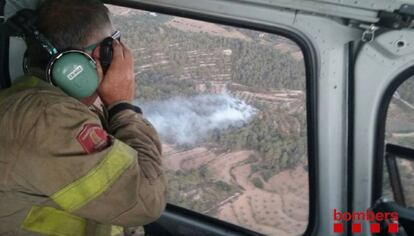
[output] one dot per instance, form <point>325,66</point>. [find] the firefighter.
<point>65,170</point>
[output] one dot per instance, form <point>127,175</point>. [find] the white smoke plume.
<point>188,120</point>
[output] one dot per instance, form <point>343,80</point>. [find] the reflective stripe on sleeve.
<point>117,230</point>
<point>50,221</point>
<point>110,230</point>
<point>97,180</point>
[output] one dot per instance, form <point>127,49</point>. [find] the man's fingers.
<point>125,49</point>
<point>96,57</point>
<point>118,83</point>
<point>118,52</point>
<point>127,53</point>
<point>99,70</point>
<point>96,53</point>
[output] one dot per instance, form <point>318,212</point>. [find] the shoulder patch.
<point>92,138</point>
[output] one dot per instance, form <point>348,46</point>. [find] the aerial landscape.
<point>230,107</point>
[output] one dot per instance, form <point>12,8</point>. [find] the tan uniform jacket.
<point>60,171</point>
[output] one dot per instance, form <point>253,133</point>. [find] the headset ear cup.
<point>74,72</point>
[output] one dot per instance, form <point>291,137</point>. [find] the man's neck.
<point>89,101</point>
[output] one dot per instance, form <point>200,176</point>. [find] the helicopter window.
<point>230,107</point>
<point>399,175</point>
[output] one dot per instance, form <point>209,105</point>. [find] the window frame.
<point>311,75</point>
<point>394,152</point>
<point>379,142</point>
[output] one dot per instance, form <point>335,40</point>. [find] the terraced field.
<point>279,208</point>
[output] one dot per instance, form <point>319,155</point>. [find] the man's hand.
<point>118,84</point>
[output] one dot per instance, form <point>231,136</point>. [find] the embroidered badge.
<point>92,138</point>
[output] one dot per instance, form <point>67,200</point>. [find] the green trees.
<point>197,190</point>
<point>165,54</point>
<point>171,63</point>
<point>277,149</point>
<point>257,182</point>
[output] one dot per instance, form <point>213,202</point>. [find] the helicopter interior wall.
<point>12,6</point>
<point>17,46</point>
<point>371,85</point>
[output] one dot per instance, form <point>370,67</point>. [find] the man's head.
<point>74,23</point>
<point>69,24</point>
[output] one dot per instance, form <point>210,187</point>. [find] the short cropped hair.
<point>69,23</point>
<point>66,24</point>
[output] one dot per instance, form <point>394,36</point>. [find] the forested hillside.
<point>166,56</point>
<point>237,166</point>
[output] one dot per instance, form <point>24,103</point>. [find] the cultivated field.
<point>279,208</point>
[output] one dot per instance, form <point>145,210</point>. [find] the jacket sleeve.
<point>112,179</point>
<point>133,129</point>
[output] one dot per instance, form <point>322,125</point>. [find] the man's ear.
<point>96,53</point>
<point>95,56</point>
